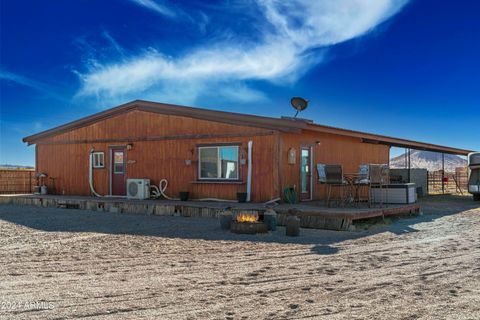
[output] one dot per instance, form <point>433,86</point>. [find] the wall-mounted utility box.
<point>292,156</point>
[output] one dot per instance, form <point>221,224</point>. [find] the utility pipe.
<point>90,174</point>
<point>160,190</point>
<point>249,175</point>
<point>272,202</point>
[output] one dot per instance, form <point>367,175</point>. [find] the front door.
<point>306,173</point>
<point>118,172</point>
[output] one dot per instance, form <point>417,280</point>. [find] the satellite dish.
<point>299,104</point>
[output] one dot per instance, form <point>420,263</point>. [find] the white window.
<point>98,160</point>
<point>218,162</point>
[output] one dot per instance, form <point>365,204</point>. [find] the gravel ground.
<point>59,263</point>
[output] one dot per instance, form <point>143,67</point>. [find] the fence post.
<point>428,182</point>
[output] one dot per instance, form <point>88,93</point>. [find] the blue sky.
<point>402,68</point>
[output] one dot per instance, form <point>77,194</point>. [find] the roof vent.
<point>297,119</point>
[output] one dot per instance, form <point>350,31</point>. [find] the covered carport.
<point>410,145</point>
<point>406,144</point>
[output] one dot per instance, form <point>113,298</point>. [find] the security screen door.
<point>306,173</point>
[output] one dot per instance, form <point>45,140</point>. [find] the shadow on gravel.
<point>433,207</point>
<point>71,220</point>
<point>324,250</point>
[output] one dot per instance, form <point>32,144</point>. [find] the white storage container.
<point>401,193</point>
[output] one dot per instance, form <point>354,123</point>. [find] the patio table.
<point>352,195</point>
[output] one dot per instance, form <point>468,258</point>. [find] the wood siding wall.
<point>162,143</point>
<point>327,149</point>
<point>160,146</point>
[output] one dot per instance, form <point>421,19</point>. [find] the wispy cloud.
<point>294,37</point>
<point>40,87</point>
<point>157,6</point>
<point>113,43</point>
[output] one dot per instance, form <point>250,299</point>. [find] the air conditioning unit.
<point>138,188</point>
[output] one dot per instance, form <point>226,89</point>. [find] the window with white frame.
<point>218,162</point>
<point>99,160</point>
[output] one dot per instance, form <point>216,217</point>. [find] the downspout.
<point>90,174</point>
<point>249,175</point>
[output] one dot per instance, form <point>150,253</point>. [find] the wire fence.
<point>448,182</point>
<point>17,181</point>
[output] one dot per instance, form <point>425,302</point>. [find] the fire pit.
<point>248,223</point>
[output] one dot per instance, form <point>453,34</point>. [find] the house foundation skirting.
<point>330,219</point>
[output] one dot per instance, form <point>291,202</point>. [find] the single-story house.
<point>210,154</point>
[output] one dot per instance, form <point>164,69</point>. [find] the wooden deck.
<point>312,214</point>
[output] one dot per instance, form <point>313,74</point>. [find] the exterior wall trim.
<point>162,138</point>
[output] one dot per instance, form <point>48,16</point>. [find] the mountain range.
<point>431,161</point>
<point>14,166</point>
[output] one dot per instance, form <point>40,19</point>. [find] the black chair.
<point>334,178</point>
<point>373,176</point>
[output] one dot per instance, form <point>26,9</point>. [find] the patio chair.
<point>372,175</point>
<point>334,178</point>
<point>379,179</point>
<point>362,180</point>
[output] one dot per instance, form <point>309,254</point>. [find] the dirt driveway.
<point>59,263</point>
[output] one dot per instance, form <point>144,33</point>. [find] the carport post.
<point>409,165</point>
<point>443,173</point>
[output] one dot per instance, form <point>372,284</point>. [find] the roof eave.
<point>420,146</point>
<point>81,122</point>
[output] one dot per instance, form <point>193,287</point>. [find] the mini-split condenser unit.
<point>138,188</point>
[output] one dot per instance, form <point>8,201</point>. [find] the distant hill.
<point>431,161</point>
<point>14,166</point>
